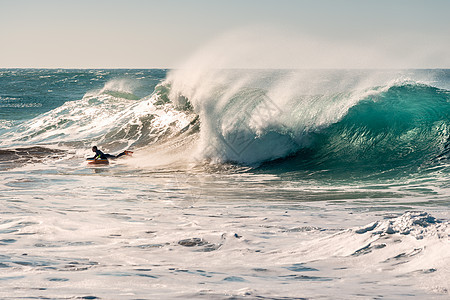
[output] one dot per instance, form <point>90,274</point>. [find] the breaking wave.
<point>299,120</point>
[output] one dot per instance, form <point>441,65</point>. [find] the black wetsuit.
<point>100,155</point>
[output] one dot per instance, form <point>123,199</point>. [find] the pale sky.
<point>163,34</point>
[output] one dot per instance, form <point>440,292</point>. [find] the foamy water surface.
<point>255,191</point>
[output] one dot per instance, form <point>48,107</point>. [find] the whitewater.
<point>243,184</point>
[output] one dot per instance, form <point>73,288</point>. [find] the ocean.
<point>243,184</point>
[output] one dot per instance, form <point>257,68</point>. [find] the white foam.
<point>104,236</point>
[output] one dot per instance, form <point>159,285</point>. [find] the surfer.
<point>100,155</point>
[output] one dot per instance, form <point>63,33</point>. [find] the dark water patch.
<point>306,278</point>
<point>120,216</point>
<point>58,279</point>
<point>368,249</point>
<point>280,298</point>
<point>234,279</point>
<point>151,246</point>
<point>403,257</point>
<point>195,272</point>
<point>178,270</point>
<point>43,263</point>
<point>203,246</point>
<point>204,273</point>
<point>302,229</point>
<point>246,295</point>
<point>23,183</point>
<point>428,271</point>
<point>209,248</point>
<point>417,273</point>
<point>128,274</point>
<point>42,245</point>
<point>390,215</point>
<point>341,268</point>
<point>5,221</point>
<point>31,183</point>
<point>146,275</point>
<point>116,274</point>
<point>11,158</point>
<point>78,266</point>
<point>267,234</point>
<point>11,278</point>
<point>300,268</point>
<point>143,270</point>
<point>18,226</point>
<point>260,269</point>
<point>7,241</point>
<point>58,244</point>
<point>368,228</point>
<point>32,263</point>
<point>193,242</point>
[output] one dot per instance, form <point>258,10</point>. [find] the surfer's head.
<point>94,149</point>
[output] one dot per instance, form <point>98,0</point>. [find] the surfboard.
<point>98,161</point>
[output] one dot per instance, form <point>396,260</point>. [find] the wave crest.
<point>251,117</point>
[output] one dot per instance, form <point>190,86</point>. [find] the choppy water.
<point>243,184</point>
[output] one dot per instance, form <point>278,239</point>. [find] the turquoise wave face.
<point>399,131</point>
